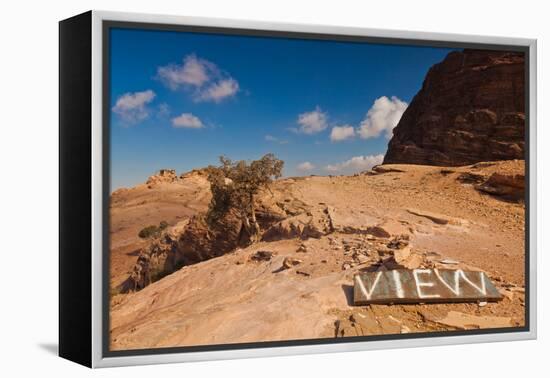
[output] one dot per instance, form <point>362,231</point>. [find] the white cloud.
<point>187,121</point>
<point>202,78</point>
<point>305,166</point>
<point>312,122</point>
<point>340,133</point>
<point>194,71</point>
<point>218,91</point>
<point>132,107</point>
<point>355,164</point>
<point>382,117</point>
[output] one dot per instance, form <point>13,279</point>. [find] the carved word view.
<point>423,286</point>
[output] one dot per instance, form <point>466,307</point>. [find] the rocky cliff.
<point>471,108</point>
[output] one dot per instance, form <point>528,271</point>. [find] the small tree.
<point>234,185</point>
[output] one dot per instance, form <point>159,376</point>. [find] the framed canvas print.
<point>233,189</point>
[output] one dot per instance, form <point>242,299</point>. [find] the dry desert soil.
<point>301,288</point>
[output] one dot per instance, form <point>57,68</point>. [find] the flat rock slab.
<point>423,286</point>
<point>349,222</point>
<point>436,218</point>
<point>461,320</point>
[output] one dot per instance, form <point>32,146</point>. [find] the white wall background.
<point>28,186</point>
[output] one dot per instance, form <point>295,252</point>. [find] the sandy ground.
<point>235,299</point>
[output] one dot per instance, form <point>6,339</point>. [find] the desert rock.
<point>511,186</point>
<point>290,262</point>
<point>471,108</point>
<point>304,225</point>
<point>261,256</point>
<point>466,321</point>
<point>164,175</point>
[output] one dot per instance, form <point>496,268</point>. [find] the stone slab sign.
<point>423,286</point>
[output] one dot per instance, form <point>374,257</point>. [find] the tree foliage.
<point>234,186</point>
<point>152,231</point>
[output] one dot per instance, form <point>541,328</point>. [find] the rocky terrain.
<point>164,197</point>
<point>450,195</point>
<point>194,286</point>
<point>471,108</point>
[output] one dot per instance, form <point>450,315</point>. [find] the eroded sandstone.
<point>471,108</point>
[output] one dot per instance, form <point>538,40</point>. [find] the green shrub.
<point>148,232</point>
<point>152,231</point>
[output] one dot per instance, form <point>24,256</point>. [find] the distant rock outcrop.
<point>471,108</point>
<point>164,175</point>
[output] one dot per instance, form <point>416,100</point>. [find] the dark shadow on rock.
<point>280,269</point>
<point>371,268</point>
<point>509,198</point>
<point>51,348</point>
<point>348,292</point>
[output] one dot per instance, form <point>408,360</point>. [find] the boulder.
<point>311,224</point>
<point>290,262</point>
<point>509,186</point>
<point>289,228</point>
<point>261,256</point>
<point>404,258</point>
<point>401,255</point>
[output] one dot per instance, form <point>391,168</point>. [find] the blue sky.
<point>180,100</point>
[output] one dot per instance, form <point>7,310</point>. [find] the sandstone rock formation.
<point>305,225</point>
<point>192,243</point>
<point>506,182</point>
<point>164,175</point>
<point>132,209</point>
<point>471,108</point>
<point>508,186</point>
